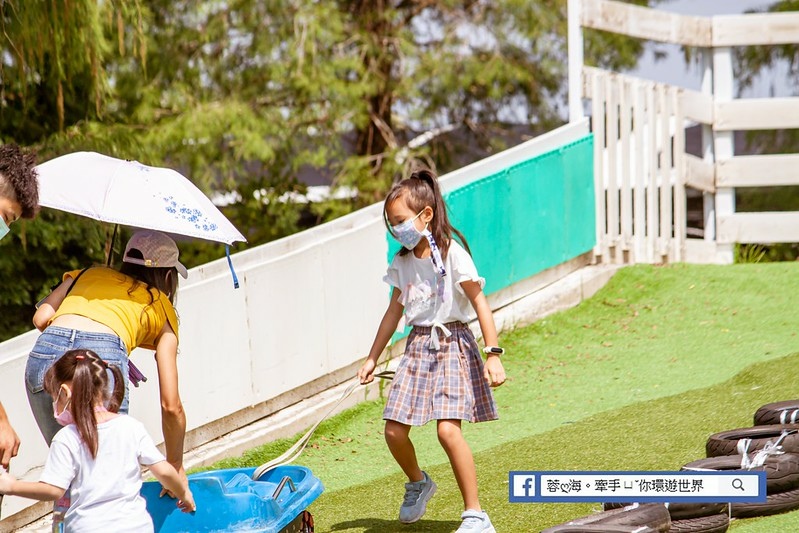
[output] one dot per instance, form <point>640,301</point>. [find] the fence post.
<point>708,199</point>
<point>575,46</point>
<point>652,211</point>
<point>680,205</point>
<point>612,157</point>
<point>598,129</point>
<point>626,199</point>
<point>723,142</point>
<point>639,176</point>
<point>666,243</point>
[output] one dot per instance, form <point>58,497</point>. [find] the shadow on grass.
<point>379,525</point>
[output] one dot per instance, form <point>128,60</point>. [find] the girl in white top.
<point>98,453</point>
<point>441,376</point>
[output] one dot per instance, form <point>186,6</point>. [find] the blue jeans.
<point>50,346</point>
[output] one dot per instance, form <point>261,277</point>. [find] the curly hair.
<point>18,180</point>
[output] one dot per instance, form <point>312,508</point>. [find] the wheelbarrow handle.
<point>281,485</point>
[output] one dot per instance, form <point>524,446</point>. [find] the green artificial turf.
<point>634,378</point>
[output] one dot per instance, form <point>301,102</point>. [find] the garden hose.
<point>296,449</point>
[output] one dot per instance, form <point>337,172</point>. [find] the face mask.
<point>64,417</point>
<point>407,234</point>
<point>3,228</point>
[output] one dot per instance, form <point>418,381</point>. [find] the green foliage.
<point>749,253</point>
<point>752,60</point>
<point>52,72</point>
<point>766,253</point>
<point>35,255</point>
<point>247,96</point>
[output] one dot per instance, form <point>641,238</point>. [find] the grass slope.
<point>660,434</point>
<point>654,340</point>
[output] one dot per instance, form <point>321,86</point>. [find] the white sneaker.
<point>476,522</point>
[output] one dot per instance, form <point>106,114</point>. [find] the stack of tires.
<point>694,517</point>
<point>634,518</point>
<point>775,423</point>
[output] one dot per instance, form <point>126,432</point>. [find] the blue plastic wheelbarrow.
<point>230,500</point>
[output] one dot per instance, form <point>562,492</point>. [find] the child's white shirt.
<point>418,281</point>
<point>105,490</point>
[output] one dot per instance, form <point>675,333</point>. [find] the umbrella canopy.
<point>127,192</point>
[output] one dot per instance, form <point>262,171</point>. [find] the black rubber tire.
<point>716,523</point>
<point>778,413</point>
<point>782,471</point>
<point>654,515</point>
<point>599,528</point>
<point>609,506</point>
<point>726,442</point>
<point>775,504</point>
<point>682,510</point>
<point>689,511</point>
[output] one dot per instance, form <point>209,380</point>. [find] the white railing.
<point>637,162</point>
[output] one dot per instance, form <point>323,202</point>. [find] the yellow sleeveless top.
<point>137,317</point>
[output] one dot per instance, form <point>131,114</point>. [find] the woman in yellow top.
<point>112,312</point>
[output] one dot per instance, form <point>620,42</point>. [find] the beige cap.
<point>157,249</point>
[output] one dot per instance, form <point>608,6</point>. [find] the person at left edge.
<point>19,198</point>
<point>112,312</point>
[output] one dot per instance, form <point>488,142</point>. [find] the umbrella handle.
<point>111,249</point>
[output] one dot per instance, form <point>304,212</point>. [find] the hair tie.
<point>80,357</point>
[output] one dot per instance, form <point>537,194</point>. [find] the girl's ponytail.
<point>421,189</point>
<point>87,372</point>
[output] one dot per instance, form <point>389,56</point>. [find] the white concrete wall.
<point>308,306</point>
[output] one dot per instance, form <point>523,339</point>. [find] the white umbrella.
<point>127,192</point>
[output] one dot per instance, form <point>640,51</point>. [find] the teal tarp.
<point>528,217</point>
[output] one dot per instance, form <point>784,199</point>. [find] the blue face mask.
<point>3,228</point>
<point>407,234</point>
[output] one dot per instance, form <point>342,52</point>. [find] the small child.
<point>441,375</point>
<point>97,455</point>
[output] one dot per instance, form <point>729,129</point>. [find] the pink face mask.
<point>64,417</point>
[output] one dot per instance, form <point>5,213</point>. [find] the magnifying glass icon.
<point>738,483</point>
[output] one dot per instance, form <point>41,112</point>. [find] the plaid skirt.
<point>447,384</point>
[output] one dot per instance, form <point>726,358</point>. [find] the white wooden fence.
<point>641,165</point>
<point>640,192</point>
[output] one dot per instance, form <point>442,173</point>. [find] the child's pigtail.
<point>83,395</point>
<point>87,372</point>
<point>118,394</point>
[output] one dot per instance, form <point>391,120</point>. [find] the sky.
<point>674,70</point>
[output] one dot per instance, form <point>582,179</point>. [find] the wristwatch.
<point>493,350</point>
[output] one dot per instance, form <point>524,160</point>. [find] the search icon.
<point>738,483</point>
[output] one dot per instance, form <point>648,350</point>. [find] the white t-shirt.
<point>426,304</point>
<point>105,491</point>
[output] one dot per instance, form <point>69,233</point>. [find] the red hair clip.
<point>80,357</point>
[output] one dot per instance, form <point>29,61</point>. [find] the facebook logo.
<point>522,487</point>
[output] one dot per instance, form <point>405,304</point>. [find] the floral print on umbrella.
<point>191,215</point>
